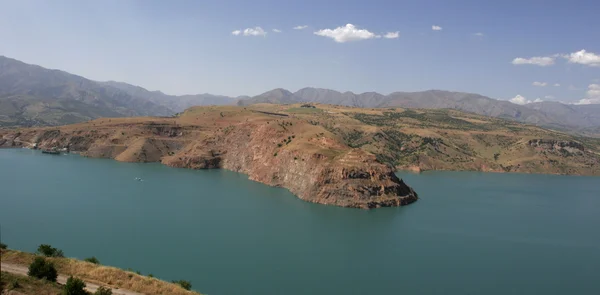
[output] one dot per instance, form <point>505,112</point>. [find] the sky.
<point>522,51</point>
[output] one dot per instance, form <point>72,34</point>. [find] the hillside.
<point>548,114</point>
<point>31,95</point>
<point>327,154</point>
<point>121,281</point>
<point>34,96</point>
<point>177,103</point>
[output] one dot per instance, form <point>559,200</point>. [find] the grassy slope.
<point>111,277</point>
<point>28,285</point>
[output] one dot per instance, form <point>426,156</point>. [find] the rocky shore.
<point>289,153</point>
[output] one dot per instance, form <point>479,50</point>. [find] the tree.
<point>93,260</point>
<point>40,268</point>
<point>74,286</point>
<point>49,251</point>
<point>184,284</point>
<point>103,291</point>
<point>3,246</point>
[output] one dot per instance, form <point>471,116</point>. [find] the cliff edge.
<point>275,148</point>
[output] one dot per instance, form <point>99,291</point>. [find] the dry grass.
<point>111,277</point>
<point>27,285</point>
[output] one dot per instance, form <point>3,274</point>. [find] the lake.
<point>470,233</point>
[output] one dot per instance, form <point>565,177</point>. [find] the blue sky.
<point>184,47</point>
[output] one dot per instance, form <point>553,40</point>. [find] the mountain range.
<point>582,118</point>
<point>31,95</point>
<point>34,96</point>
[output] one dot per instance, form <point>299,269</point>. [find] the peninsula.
<point>275,146</point>
<point>326,154</point>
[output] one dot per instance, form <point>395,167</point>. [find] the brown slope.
<point>278,150</point>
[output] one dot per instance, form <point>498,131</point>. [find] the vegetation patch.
<point>102,275</point>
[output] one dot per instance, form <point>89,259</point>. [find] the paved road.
<point>22,270</point>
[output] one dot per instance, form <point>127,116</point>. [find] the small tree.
<point>40,268</point>
<point>49,251</point>
<point>93,260</point>
<point>3,246</point>
<point>74,286</point>
<point>184,284</point>
<point>103,291</point>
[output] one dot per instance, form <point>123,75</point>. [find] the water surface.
<point>470,233</point>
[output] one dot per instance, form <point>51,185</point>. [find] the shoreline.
<point>399,169</point>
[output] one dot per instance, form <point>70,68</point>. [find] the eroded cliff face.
<point>285,152</point>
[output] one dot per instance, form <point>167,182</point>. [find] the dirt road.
<point>91,287</point>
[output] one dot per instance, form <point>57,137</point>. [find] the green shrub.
<point>49,251</point>
<point>40,268</point>
<point>74,286</point>
<point>93,260</point>
<point>3,246</point>
<point>103,291</point>
<point>184,284</point>
<point>15,285</point>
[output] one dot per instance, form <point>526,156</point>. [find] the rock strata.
<point>289,153</point>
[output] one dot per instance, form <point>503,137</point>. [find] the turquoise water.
<point>470,233</point>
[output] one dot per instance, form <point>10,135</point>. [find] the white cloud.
<point>592,95</point>
<point>392,35</point>
<point>549,97</point>
<point>479,34</point>
<point>583,57</point>
<point>536,60</point>
<point>276,30</point>
<point>556,85</point>
<point>346,33</point>
<point>540,84</point>
<point>588,101</point>
<point>522,100</point>
<point>300,27</point>
<point>436,28</point>
<point>594,90</point>
<point>256,31</point>
<point>519,100</point>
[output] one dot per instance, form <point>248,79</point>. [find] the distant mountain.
<point>31,95</point>
<point>174,102</point>
<point>318,95</point>
<point>549,114</point>
<point>34,96</point>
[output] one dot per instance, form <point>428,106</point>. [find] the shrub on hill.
<point>49,251</point>
<point>103,291</point>
<point>40,268</point>
<point>93,260</point>
<point>3,246</point>
<point>184,284</point>
<point>75,286</point>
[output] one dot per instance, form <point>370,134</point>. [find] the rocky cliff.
<point>279,151</point>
